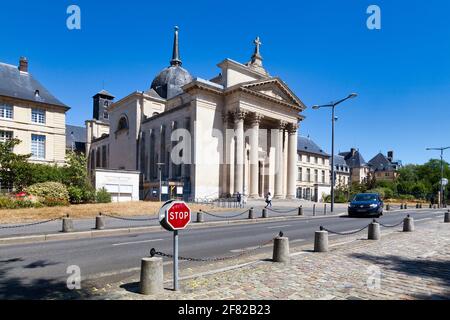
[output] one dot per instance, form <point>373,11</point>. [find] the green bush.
<point>50,190</point>
<point>103,196</point>
<point>76,194</point>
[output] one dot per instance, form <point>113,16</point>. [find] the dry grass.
<point>90,211</point>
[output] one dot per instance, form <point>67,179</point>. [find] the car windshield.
<point>365,197</point>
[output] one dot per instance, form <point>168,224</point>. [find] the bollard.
<point>417,206</point>
<point>447,217</point>
<point>251,214</point>
<point>321,241</point>
<point>300,211</point>
<point>99,222</point>
<point>401,206</point>
<point>388,207</point>
<point>152,276</point>
<point>408,224</point>
<point>314,210</point>
<point>67,224</point>
<point>265,213</point>
<point>406,206</point>
<point>200,217</point>
<point>374,231</point>
<point>325,209</point>
<point>281,249</point>
<point>434,207</point>
<point>431,206</point>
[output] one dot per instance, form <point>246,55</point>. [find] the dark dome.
<point>168,82</point>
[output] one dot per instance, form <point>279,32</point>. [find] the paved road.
<point>144,221</point>
<point>39,270</point>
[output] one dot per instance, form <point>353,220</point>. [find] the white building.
<point>242,126</point>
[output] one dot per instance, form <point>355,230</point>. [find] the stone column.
<point>239,117</point>
<point>225,157</point>
<point>254,156</point>
<point>279,163</point>
<point>292,161</point>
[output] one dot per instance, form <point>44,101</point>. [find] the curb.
<point>94,234</point>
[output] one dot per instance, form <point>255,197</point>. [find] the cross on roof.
<point>258,43</point>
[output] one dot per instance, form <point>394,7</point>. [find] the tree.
<point>13,167</point>
<point>76,170</point>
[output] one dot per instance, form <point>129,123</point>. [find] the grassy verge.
<point>89,211</point>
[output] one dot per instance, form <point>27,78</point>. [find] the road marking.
<point>135,242</point>
<point>424,219</point>
<point>298,240</point>
<point>278,227</point>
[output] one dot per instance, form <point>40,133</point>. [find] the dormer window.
<point>36,94</point>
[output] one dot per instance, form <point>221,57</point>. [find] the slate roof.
<point>307,145</point>
<point>339,161</point>
<point>22,85</point>
<point>381,163</point>
<point>75,134</point>
<point>105,93</point>
<point>355,160</point>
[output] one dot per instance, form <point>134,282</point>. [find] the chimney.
<point>353,151</point>
<point>390,156</point>
<point>23,64</point>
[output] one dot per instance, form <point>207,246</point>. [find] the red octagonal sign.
<point>175,215</point>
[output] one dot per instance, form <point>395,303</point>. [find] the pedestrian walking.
<point>269,200</point>
<point>239,199</point>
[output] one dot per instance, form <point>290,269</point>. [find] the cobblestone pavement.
<point>400,266</point>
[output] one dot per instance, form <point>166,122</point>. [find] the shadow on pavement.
<point>15,288</point>
<point>436,269</point>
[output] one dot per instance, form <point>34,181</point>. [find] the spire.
<point>176,52</point>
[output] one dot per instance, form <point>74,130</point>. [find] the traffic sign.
<point>444,181</point>
<point>174,215</point>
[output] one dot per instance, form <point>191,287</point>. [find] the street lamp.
<point>441,202</point>
<point>160,164</point>
<point>333,105</point>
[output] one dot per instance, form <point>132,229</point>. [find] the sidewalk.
<point>407,265</point>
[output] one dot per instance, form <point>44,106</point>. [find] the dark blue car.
<point>366,204</point>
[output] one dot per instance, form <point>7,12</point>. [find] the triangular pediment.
<point>274,88</point>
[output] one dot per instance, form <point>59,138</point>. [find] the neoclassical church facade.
<point>242,132</point>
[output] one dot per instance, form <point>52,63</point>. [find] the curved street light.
<point>333,105</point>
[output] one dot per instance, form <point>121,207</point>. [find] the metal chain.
<point>128,219</point>
<point>344,233</point>
<point>392,226</point>
<point>281,211</point>
<point>153,253</point>
<point>226,217</point>
<point>30,224</point>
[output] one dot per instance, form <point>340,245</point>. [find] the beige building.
<point>359,169</point>
<point>342,172</point>
<point>30,113</point>
<point>313,171</point>
<point>238,132</point>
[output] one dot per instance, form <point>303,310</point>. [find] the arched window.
<point>123,124</point>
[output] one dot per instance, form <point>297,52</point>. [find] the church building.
<point>198,138</point>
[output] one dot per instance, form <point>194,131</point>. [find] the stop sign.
<point>174,215</point>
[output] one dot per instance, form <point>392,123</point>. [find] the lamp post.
<point>160,164</point>
<point>333,105</point>
<point>442,149</point>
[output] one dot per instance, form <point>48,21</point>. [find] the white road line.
<point>278,227</point>
<point>135,242</point>
<point>424,219</point>
<point>297,240</point>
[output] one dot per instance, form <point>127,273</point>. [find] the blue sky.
<point>322,49</point>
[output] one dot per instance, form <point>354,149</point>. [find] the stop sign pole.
<point>175,216</point>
